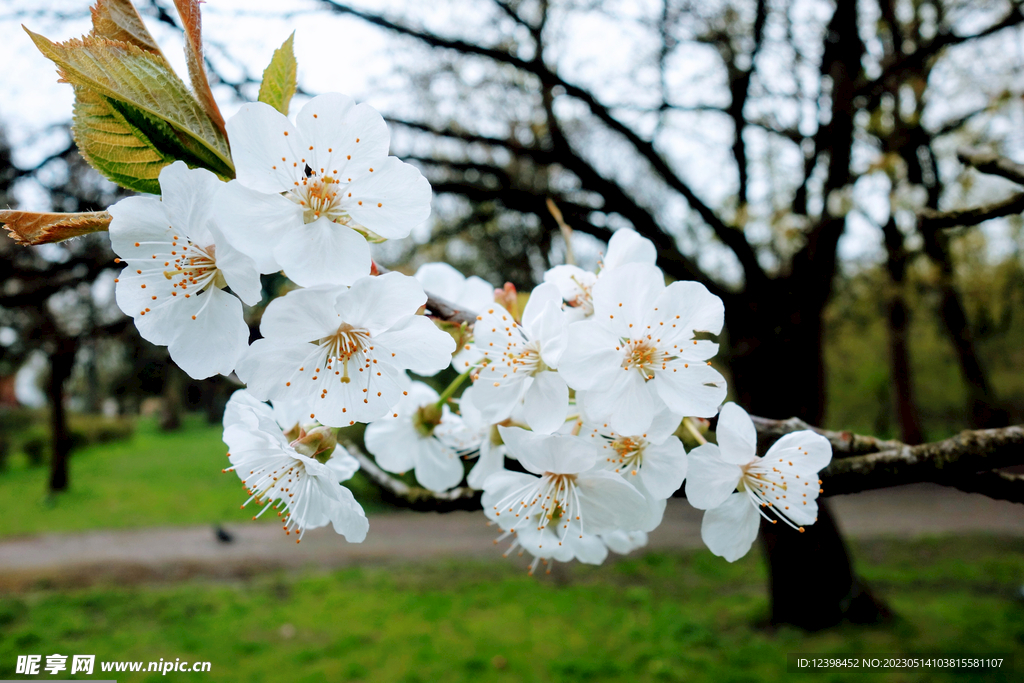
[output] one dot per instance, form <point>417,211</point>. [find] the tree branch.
<point>991,163</point>
<point>930,220</point>
<point>845,443</point>
<point>995,484</point>
<point>729,235</point>
<point>948,461</point>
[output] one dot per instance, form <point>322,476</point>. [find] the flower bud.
<point>318,443</point>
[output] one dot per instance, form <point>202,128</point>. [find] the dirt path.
<point>176,553</point>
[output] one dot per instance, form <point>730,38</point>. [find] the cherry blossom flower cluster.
<point>574,411</point>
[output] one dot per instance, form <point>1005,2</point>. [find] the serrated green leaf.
<point>114,147</point>
<point>279,78</point>
<point>124,73</point>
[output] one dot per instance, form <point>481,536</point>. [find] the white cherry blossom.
<point>563,492</point>
<point>576,284</point>
<point>308,195</point>
<point>784,482</point>
<point>304,491</point>
<point>654,458</point>
<point>345,349</point>
<point>406,440</point>
<point>178,266</point>
<point>638,352</point>
<point>520,362</point>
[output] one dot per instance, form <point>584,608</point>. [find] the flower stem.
<point>456,383</point>
<point>694,432</point>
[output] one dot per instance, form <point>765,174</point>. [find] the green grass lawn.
<point>662,617</point>
<point>154,478</point>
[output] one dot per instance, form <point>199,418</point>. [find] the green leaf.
<point>279,78</point>
<point>124,73</point>
<point>115,148</point>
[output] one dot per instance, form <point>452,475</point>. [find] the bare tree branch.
<point>995,484</point>
<point>931,220</point>
<point>845,443</point>
<point>729,235</point>
<point>948,461</point>
<point>991,163</point>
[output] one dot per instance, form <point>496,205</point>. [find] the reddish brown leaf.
<point>193,24</point>
<point>27,227</point>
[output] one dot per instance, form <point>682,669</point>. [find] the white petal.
<point>664,467</point>
<point>626,295</point>
<point>395,198</point>
<point>441,279</point>
<point>262,138</point>
<point>377,303</point>
<point>540,297</point>
<point>302,314</point>
<point>394,443</point>
<point>709,479</point>
<point>689,306</point>
<point>323,253</point>
<point>664,425</point>
<point>624,542</point>
<point>736,435</point>
<point>255,222</point>
<point>546,402</point>
<point>554,453</point>
<point>589,549</point>
<point>347,517</point>
<point>438,467</point>
<point>331,123</point>
<point>141,220</point>
<point>628,246</point>
<point>638,404</point>
<point>343,465</point>
<point>590,360</point>
<point>188,195</point>
<point>609,503</point>
<point>418,346</point>
<point>239,270</point>
<point>215,340</point>
<point>269,365</point>
<point>697,390</point>
<point>806,449</point>
<point>491,460</point>
<point>496,401</point>
<point>730,529</point>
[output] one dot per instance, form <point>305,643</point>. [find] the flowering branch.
<point>843,443</point>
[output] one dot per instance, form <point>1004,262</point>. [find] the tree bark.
<point>62,361</point>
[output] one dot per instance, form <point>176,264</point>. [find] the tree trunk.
<point>170,411</point>
<point>898,319</point>
<point>62,361</point>
<point>778,371</point>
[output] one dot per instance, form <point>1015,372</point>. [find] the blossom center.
<point>629,453</point>
<point>347,344</point>
<point>194,267</point>
<point>319,196</point>
<point>644,356</point>
<point>550,500</point>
